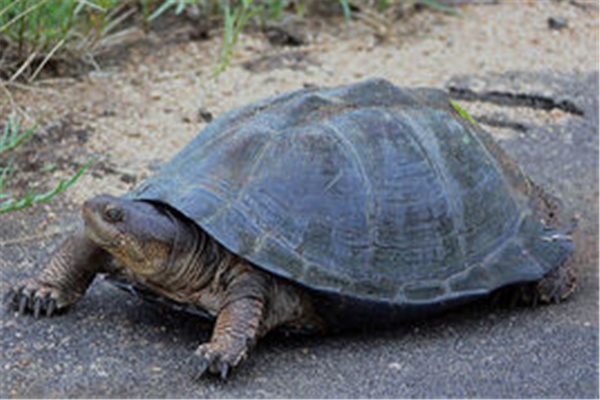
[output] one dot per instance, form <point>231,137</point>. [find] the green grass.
<point>12,137</point>
<point>39,31</point>
<point>463,113</point>
<point>437,5</point>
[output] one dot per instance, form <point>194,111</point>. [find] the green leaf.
<point>346,9</point>
<point>437,5</point>
<point>463,113</point>
<point>180,8</point>
<point>11,137</point>
<point>160,10</point>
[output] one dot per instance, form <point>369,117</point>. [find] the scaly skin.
<point>156,247</point>
<point>60,284</point>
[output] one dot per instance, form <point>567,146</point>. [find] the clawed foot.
<point>36,298</point>
<point>557,285</point>
<point>217,358</point>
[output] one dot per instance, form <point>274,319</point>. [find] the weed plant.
<point>12,137</point>
<point>35,32</point>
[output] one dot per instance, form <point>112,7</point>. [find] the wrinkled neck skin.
<point>192,265</point>
<point>159,248</point>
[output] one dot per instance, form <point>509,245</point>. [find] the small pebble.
<point>127,178</point>
<point>395,365</point>
<point>204,115</point>
<point>156,369</point>
<point>557,23</point>
<point>279,36</point>
<point>107,112</point>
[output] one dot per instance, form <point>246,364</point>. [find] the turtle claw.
<point>37,307</point>
<point>23,304</point>
<point>50,307</point>
<point>202,367</point>
<point>216,359</point>
<point>224,370</point>
<point>38,299</point>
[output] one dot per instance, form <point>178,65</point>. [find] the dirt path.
<point>533,87</point>
<point>142,112</point>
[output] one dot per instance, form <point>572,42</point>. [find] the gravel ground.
<point>501,61</point>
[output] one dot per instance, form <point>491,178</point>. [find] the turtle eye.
<point>113,213</point>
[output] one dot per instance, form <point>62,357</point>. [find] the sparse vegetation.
<point>11,138</point>
<point>35,34</point>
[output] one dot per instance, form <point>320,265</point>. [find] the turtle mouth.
<point>104,242</point>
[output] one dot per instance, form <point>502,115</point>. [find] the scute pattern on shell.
<point>368,191</point>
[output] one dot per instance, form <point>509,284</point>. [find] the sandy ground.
<point>140,113</point>
<point>135,115</point>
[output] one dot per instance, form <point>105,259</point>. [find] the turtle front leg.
<point>69,273</point>
<point>238,326</point>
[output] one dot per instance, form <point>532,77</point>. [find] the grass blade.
<point>11,138</point>
<point>8,7</point>
<point>21,15</point>
<point>48,57</point>
<point>160,10</point>
<point>463,113</point>
<point>437,5</point>
<point>346,9</point>
<point>32,199</point>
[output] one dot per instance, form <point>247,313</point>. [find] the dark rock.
<point>128,178</point>
<point>204,115</point>
<point>295,61</point>
<point>280,36</point>
<point>557,23</point>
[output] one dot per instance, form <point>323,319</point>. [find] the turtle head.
<point>141,235</point>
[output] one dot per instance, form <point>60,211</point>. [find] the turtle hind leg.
<point>554,287</point>
<point>557,285</point>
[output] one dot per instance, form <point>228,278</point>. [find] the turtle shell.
<point>368,192</point>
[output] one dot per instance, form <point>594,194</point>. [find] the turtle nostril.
<point>113,213</point>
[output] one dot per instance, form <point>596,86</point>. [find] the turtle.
<point>317,210</point>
